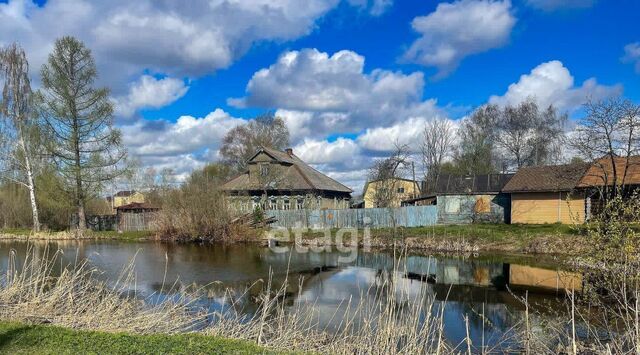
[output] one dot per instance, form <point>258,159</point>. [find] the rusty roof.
<point>601,171</point>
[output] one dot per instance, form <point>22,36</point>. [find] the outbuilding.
<point>548,194</point>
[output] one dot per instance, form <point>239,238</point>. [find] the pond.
<point>483,291</point>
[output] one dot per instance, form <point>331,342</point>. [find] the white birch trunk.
<point>30,184</point>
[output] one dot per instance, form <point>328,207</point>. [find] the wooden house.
<point>467,198</point>
<point>280,180</point>
<point>547,194</point>
<point>400,189</point>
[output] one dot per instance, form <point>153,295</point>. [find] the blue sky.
<point>350,77</point>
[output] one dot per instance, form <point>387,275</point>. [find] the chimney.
<point>289,151</point>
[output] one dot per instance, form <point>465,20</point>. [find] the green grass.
<point>15,231</point>
<point>130,236</point>
<point>20,338</point>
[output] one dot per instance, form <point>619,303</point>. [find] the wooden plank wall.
<point>410,216</point>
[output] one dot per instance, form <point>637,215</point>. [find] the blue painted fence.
<point>410,216</point>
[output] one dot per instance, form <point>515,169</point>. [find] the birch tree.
<point>18,129</point>
<point>79,123</point>
<point>436,145</point>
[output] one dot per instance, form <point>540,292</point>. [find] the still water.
<point>485,289</point>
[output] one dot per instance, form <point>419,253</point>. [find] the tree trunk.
<point>30,184</point>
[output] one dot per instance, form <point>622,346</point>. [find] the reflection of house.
<point>278,180</point>
<point>122,198</point>
<point>393,191</point>
<point>546,194</point>
<point>464,199</point>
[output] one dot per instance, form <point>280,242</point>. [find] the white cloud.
<point>165,37</point>
<point>321,93</point>
<point>632,54</point>
<point>459,29</point>
<point>384,139</point>
<point>550,5</point>
<point>149,92</point>
<point>551,83</point>
<point>186,143</point>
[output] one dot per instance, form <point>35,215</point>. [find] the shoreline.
<point>533,240</point>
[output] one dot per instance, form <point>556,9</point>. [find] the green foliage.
<point>19,338</point>
<point>615,232</point>
<point>258,215</point>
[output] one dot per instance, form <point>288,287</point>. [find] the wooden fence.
<point>144,221</point>
<point>410,216</point>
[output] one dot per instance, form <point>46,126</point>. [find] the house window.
<point>400,190</point>
<point>286,203</point>
<point>300,204</point>
<point>273,204</point>
<point>264,169</point>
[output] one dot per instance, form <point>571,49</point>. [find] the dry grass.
<point>391,322</point>
<point>386,318</point>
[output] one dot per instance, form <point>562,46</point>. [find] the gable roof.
<point>297,175</point>
<point>549,178</point>
<point>602,170</point>
<point>468,184</point>
<point>137,206</point>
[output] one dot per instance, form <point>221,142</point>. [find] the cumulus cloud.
<point>321,93</point>
<point>632,54</point>
<point>149,92</point>
<point>186,143</point>
<point>550,5</point>
<point>456,30</point>
<point>551,83</point>
<point>167,37</point>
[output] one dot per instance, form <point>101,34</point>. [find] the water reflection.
<point>485,290</point>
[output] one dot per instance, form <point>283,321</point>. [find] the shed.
<point>547,194</point>
<point>136,216</point>
<point>467,198</point>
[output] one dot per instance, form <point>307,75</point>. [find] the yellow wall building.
<point>394,190</point>
<point>547,194</point>
<point>126,197</point>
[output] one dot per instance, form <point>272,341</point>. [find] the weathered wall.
<point>464,209</point>
<point>547,207</point>
<point>412,216</point>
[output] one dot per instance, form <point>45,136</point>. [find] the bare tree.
<point>79,123</point>
<point>436,145</point>
<point>476,152</point>
<point>610,131</point>
<point>529,136</point>
<point>241,142</point>
<point>19,130</point>
<point>386,174</point>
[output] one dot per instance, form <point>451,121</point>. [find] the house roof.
<point>549,178</point>
<point>137,206</point>
<point>601,171</point>
<point>468,184</point>
<point>297,175</point>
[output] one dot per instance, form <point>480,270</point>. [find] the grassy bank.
<point>21,338</point>
<point>511,238</point>
<point>27,234</point>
